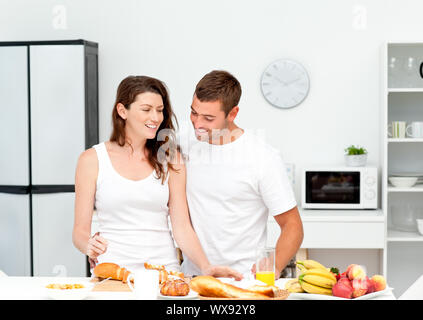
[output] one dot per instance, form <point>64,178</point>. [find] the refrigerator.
<point>49,116</point>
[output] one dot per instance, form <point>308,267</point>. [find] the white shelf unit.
<point>401,101</point>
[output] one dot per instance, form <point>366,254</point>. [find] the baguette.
<point>208,286</point>
<point>111,270</point>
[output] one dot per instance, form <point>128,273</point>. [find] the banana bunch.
<point>294,286</point>
<point>315,277</point>
<point>310,264</point>
<point>317,281</point>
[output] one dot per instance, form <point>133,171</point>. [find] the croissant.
<point>111,270</point>
<point>176,287</point>
<point>177,274</point>
<point>208,286</point>
<point>153,266</point>
<point>163,275</point>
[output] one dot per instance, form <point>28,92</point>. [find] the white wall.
<point>179,41</point>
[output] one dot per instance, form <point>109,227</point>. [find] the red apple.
<point>379,282</point>
<point>356,272</point>
<point>370,285</point>
<point>343,288</point>
<point>360,287</point>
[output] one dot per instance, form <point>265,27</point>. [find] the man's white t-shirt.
<point>231,190</point>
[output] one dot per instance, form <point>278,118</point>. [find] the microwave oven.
<point>339,188</point>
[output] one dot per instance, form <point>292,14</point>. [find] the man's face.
<point>208,119</point>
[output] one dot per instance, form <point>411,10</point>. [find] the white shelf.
<point>405,139</point>
<point>416,188</point>
<point>401,90</point>
<point>396,235</point>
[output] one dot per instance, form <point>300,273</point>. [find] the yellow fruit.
<point>321,273</point>
<point>311,264</point>
<point>319,281</point>
<point>311,288</point>
<point>302,268</point>
<point>294,286</point>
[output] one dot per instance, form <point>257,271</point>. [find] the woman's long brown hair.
<point>161,149</point>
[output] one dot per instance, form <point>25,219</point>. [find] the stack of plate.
<point>405,179</point>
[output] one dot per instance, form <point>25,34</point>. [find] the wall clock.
<point>285,83</point>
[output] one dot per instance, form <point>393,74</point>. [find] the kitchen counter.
<point>32,288</point>
<point>333,229</point>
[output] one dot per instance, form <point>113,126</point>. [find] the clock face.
<point>285,83</point>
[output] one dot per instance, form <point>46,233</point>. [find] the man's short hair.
<point>219,85</point>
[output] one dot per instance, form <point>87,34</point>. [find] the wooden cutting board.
<point>111,285</point>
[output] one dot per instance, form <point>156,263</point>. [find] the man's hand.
<point>221,271</point>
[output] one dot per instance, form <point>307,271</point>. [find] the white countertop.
<point>33,288</point>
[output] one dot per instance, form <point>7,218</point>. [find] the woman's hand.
<point>221,271</point>
<point>97,245</point>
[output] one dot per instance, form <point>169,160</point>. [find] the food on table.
<point>267,290</point>
<point>174,287</point>
<point>318,281</point>
<point>352,283</point>
<point>359,286</point>
<point>378,282</point>
<point>111,270</point>
<point>177,274</point>
<point>309,264</point>
<point>343,288</point>
<point>64,286</point>
<point>294,286</point>
<point>163,273</point>
<point>153,266</point>
<point>208,286</point>
<point>355,271</point>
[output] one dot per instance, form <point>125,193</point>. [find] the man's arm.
<point>290,239</point>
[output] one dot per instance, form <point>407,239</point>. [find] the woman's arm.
<point>85,188</point>
<point>184,233</point>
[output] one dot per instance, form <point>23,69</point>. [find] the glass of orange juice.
<point>265,265</point>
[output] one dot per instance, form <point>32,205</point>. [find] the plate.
<point>191,295</point>
<point>68,294</point>
<point>407,174</point>
<point>310,296</point>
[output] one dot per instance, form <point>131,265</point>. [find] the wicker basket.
<point>279,295</point>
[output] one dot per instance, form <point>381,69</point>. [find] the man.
<point>234,181</point>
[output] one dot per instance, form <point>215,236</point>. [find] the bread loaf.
<point>111,270</point>
<point>208,286</point>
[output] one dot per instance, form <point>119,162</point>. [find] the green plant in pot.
<point>355,156</point>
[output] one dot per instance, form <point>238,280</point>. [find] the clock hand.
<point>293,81</point>
<point>280,81</point>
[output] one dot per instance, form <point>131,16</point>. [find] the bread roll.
<point>176,287</point>
<point>208,286</point>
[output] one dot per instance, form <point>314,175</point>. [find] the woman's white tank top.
<point>133,217</point>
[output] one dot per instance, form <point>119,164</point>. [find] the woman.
<point>134,181</point>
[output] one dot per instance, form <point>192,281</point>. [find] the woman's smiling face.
<point>145,115</point>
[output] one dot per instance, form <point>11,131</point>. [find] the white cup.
<point>416,129</point>
<point>397,129</point>
<point>146,284</point>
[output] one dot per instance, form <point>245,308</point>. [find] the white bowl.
<point>69,294</point>
<point>420,225</point>
<point>403,182</point>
